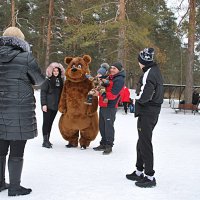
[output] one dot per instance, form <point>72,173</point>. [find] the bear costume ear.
<point>67,60</point>
<point>87,59</point>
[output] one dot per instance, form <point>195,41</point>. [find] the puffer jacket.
<point>18,72</point>
<point>50,96</point>
<point>50,92</point>
<point>150,92</point>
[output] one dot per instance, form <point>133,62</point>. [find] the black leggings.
<point>48,118</point>
<point>16,147</point>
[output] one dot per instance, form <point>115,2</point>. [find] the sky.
<point>61,173</point>
<point>174,4</point>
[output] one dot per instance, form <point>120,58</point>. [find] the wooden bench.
<point>187,106</point>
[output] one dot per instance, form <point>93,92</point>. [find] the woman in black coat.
<point>50,96</point>
<point>18,72</point>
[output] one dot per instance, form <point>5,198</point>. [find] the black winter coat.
<point>150,91</point>
<point>50,95</point>
<point>18,72</point>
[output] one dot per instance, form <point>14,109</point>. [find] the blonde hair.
<point>14,31</point>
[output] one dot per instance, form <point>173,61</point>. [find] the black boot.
<point>49,140</point>
<point>70,145</point>
<point>46,142</point>
<point>108,150</point>
<point>15,165</point>
<point>3,184</point>
<point>100,148</point>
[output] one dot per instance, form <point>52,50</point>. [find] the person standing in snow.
<point>19,71</point>
<point>107,111</point>
<point>125,98</point>
<point>147,108</point>
<point>195,98</point>
<point>50,96</point>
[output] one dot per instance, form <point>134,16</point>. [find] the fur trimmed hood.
<point>53,65</point>
<point>14,42</point>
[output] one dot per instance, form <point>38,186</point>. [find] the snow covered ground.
<point>62,174</point>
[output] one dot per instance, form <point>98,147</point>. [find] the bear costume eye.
<point>79,66</point>
<point>73,66</point>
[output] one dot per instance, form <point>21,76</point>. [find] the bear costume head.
<point>77,68</point>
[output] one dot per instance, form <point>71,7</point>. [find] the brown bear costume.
<point>76,116</point>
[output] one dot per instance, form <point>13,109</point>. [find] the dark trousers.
<point>106,125</point>
<point>48,118</point>
<point>16,147</point>
<point>125,104</point>
<point>145,160</point>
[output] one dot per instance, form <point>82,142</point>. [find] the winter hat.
<point>145,57</point>
<point>14,32</point>
<point>118,65</point>
<point>103,69</point>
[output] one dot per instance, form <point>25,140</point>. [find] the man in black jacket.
<point>148,105</point>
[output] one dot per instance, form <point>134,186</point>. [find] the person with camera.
<point>19,72</point>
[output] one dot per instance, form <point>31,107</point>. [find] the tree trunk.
<point>51,9</point>
<point>190,60</point>
<point>13,12</point>
<point>121,44</point>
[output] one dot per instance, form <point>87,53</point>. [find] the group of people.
<point>19,72</point>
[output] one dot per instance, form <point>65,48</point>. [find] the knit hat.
<point>14,32</point>
<point>118,65</point>
<point>145,57</point>
<point>103,69</point>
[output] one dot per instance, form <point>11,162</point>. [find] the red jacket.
<point>113,90</point>
<point>125,95</point>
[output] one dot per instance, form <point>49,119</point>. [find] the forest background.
<point>107,32</point>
